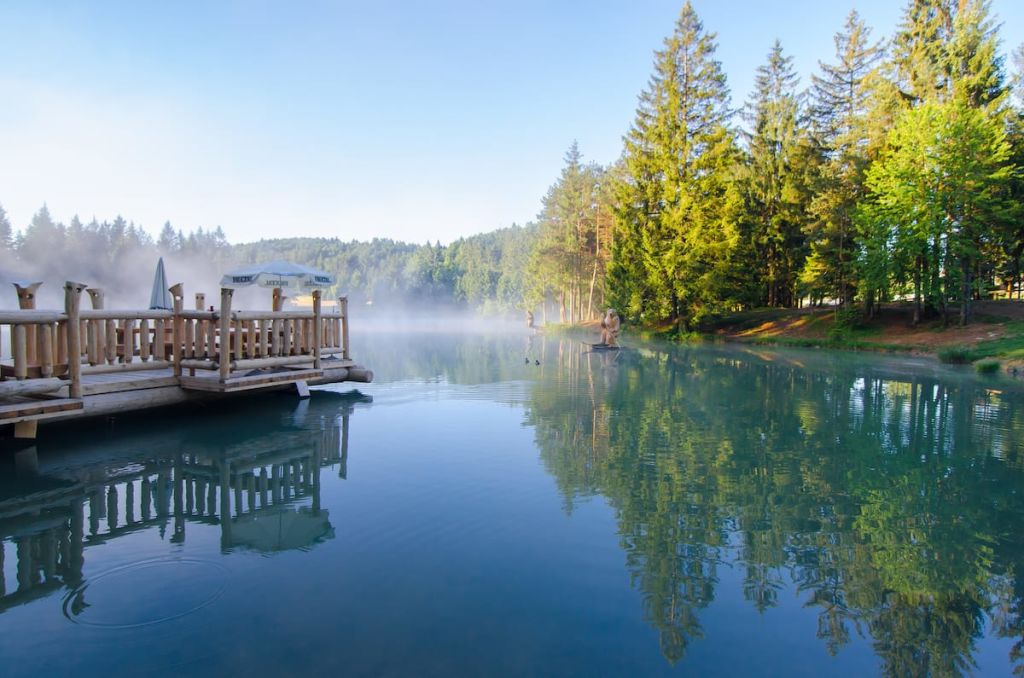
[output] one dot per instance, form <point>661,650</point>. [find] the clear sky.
<point>414,120</point>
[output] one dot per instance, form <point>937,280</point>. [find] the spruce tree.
<point>675,215</point>
<point>6,234</point>
<point>840,104</point>
<point>778,177</point>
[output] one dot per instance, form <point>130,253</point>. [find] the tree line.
<point>485,272</point>
<point>895,175</point>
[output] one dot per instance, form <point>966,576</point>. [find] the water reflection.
<point>888,498</point>
<point>260,486</point>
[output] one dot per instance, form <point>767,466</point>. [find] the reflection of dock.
<point>263,492</point>
<point>104,361</point>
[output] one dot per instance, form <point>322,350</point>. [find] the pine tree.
<point>841,102</point>
<point>778,177</point>
<point>169,240</point>
<point>6,234</point>
<point>675,231</point>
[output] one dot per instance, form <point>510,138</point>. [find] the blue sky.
<point>412,120</point>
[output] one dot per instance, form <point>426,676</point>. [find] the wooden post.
<point>177,292</point>
<point>158,340</point>
<point>96,334</point>
<point>277,301</point>
<point>46,349</point>
<point>26,302</point>
<point>72,305</point>
<point>236,337</point>
<point>317,329</point>
<point>129,340</point>
<point>225,333</point>
<point>144,340</point>
<point>343,307</point>
<point>200,301</point>
<point>20,336</point>
<point>250,333</point>
<point>286,340</point>
<point>111,342</point>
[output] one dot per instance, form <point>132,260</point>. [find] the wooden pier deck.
<point>76,363</point>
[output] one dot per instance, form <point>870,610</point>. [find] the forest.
<point>894,175</point>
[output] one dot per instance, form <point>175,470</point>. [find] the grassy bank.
<point>994,340</point>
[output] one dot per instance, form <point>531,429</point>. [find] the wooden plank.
<point>38,409</point>
<point>248,383</point>
<point>138,384</point>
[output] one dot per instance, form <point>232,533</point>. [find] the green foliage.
<point>845,321</point>
<point>568,262</point>
<point>777,179</point>
<point>987,366</point>
<point>955,355</point>
<point>677,206</point>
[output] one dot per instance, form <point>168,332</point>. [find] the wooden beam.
<point>225,333</point>
<point>317,329</point>
<point>72,302</point>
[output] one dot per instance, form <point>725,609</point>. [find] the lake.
<point>508,505</point>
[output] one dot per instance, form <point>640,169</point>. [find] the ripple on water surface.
<point>145,593</point>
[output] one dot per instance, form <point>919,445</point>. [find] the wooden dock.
<point>89,362</point>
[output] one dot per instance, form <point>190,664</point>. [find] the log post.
<point>236,338</point>
<point>276,300</point>
<point>317,329</point>
<point>144,340</point>
<point>343,307</point>
<point>72,305</point>
<point>26,302</point>
<point>20,337</point>
<point>111,342</point>
<point>46,349</point>
<point>225,333</point>
<point>96,332</point>
<point>177,292</point>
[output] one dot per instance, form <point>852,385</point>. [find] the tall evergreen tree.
<point>6,234</point>
<point>675,214</point>
<point>841,101</point>
<point>778,178</point>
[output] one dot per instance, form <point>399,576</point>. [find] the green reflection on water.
<point>890,497</point>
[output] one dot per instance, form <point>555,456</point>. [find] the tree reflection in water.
<point>889,497</point>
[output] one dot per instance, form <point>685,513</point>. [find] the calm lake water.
<point>664,510</point>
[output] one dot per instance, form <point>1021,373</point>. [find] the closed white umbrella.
<point>161,295</point>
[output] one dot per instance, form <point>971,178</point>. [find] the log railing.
<point>113,340</point>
